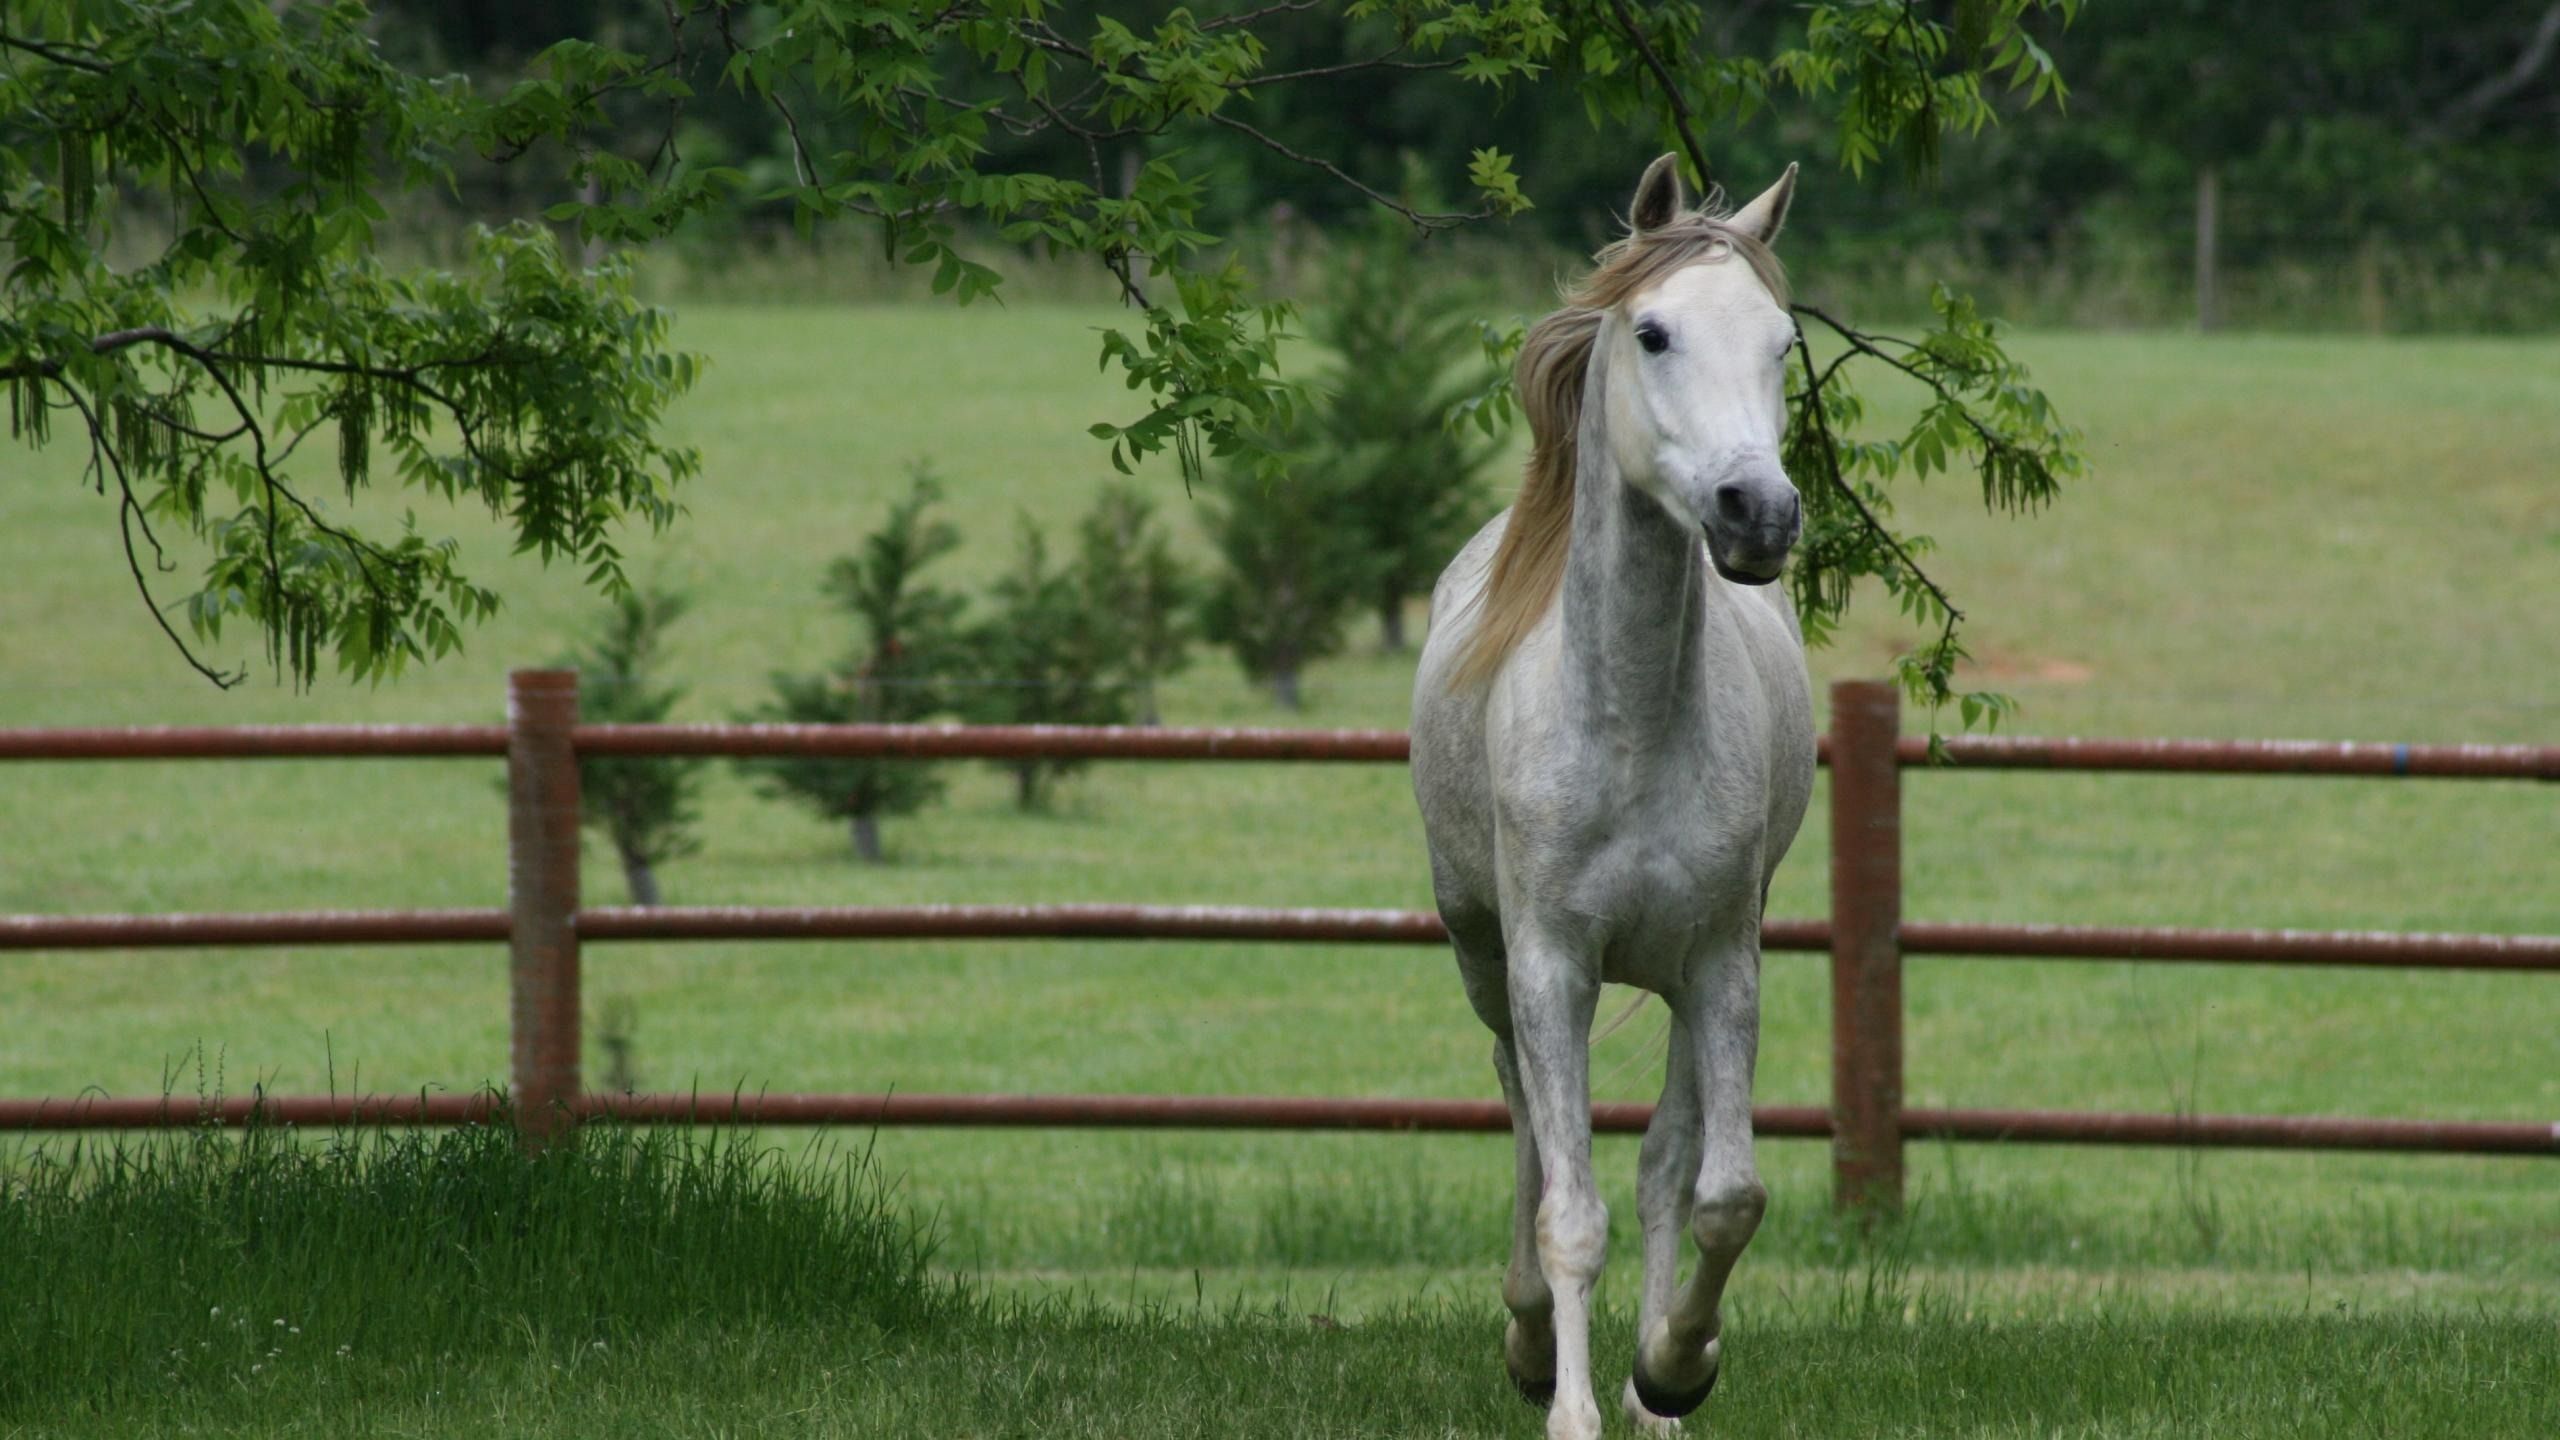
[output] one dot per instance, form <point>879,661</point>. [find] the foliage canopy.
<point>535,386</point>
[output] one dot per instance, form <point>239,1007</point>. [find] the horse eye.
<point>1653,338</point>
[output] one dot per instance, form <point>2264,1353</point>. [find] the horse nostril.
<point>1732,504</point>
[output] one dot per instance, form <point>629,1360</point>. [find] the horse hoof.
<point>1517,1348</point>
<point>1672,1404</point>
<point>1541,1393</point>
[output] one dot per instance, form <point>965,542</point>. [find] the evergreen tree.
<point>1130,580</point>
<point>1295,569</point>
<point>907,647</point>
<point>646,806</point>
<point>1406,352</point>
<point>1043,656</point>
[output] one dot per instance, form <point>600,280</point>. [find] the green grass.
<point>195,1260</point>
<point>636,1283</point>
<point>2347,539</point>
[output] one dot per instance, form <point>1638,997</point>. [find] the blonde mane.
<point>1555,360</point>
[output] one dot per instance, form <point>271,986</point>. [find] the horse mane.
<point>1554,364</point>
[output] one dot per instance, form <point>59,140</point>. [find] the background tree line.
<point>2375,165</point>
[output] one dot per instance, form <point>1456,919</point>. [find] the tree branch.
<point>1286,7</point>
<point>1420,220</point>
<point>1860,343</point>
<point>1840,482</point>
<point>76,57</point>
<point>1681,117</point>
<point>1383,60</point>
<point>102,454</point>
<point>2466,111</point>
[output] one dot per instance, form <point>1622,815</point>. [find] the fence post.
<point>542,899</point>
<point>1866,946</point>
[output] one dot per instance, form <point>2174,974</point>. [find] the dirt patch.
<point>1997,665</point>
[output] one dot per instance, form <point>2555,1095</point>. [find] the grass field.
<point>2293,538</point>
<point>644,1284</point>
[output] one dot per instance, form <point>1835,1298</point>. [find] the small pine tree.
<point>646,807</point>
<point>908,645</point>
<point>1128,578</point>
<point>1406,351</point>
<point>1044,656</point>
<point>1295,570</point>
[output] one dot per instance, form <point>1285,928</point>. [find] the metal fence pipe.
<point>1146,1112</point>
<point>246,929</point>
<point>1866,956</point>
<point>1011,922</point>
<point>1283,1113</point>
<point>2371,948</point>
<point>2254,1132</point>
<point>1010,742</point>
<point>312,928</point>
<point>542,898</point>
<point>253,742</point>
<point>2243,757</point>
<point>178,1112</point>
<point>995,742</point>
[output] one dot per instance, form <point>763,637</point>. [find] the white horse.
<point>1613,746</point>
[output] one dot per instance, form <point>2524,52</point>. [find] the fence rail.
<point>1285,1112</point>
<point>1172,742</point>
<point>544,926</point>
<point>249,930</point>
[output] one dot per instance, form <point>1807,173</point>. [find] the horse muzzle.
<point>1753,526</point>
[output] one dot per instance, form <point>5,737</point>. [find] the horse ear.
<point>1659,199</point>
<point>1763,217</point>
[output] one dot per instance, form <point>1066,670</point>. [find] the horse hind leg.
<point>1529,1340</point>
<point>1678,1356</point>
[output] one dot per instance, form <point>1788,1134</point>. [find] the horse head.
<point>1693,361</point>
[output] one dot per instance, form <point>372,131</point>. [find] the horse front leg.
<point>1529,1341</point>
<point>1677,1357</point>
<point>1551,1003</point>
<point>1666,1179</point>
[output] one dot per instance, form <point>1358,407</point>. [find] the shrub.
<point>1046,654</point>
<point>1128,578</point>
<point>909,644</point>
<point>646,806</point>
<point>1406,351</point>
<point>1294,570</point>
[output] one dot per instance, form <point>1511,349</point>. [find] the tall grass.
<point>673,1283</point>
<point>205,1261</point>
<point>1401,1215</point>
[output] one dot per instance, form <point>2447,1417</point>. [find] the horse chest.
<point>1643,861</point>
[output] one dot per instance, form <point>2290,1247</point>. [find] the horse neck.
<point>1633,587</point>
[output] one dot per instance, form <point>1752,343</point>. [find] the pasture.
<point>2283,538</point>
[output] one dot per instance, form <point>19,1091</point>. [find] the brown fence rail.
<point>301,928</point>
<point>1865,935</point>
<point>1116,742</point>
<point>1284,1112</point>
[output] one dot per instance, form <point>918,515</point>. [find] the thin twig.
<point>1859,342</point>
<point>1286,7</point>
<point>128,509</point>
<point>1419,219</point>
<point>1383,60</point>
<point>1840,482</point>
<point>74,57</point>
<point>1681,118</point>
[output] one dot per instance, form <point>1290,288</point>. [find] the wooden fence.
<point>544,925</point>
